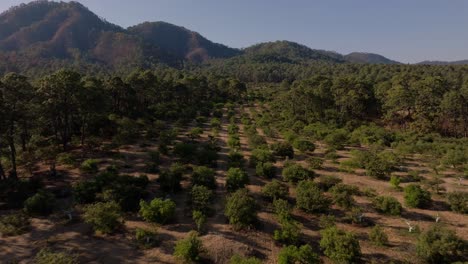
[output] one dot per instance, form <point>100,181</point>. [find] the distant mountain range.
<point>47,34</point>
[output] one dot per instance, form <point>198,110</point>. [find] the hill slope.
<point>370,58</point>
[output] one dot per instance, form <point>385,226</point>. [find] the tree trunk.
<point>13,173</point>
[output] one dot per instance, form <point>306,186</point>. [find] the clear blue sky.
<point>404,30</point>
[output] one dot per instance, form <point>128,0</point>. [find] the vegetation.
<point>236,259</point>
<point>189,249</point>
<point>377,236</point>
<point>415,196</point>
<point>275,190</point>
<point>158,210</point>
<point>439,245</point>
<point>236,179</point>
<point>295,173</point>
<point>293,254</point>
<point>310,198</point>
<point>458,202</point>
<point>340,246</point>
<point>14,224</point>
<point>104,217</point>
<point>41,204</point>
<point>204,176</point>
<point>387,205</point>
<point>241,209</point>
<point>46,256</point>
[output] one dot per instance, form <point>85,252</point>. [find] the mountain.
<point>181,42</point>
<point>369,58</point>
<point>461,62</point>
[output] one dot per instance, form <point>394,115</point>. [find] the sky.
<point>404,30</point>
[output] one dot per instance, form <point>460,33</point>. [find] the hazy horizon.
<point>405,31</point>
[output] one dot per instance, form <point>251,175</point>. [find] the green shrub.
<point>377,236</point>
<point>236,179</point>
<point>215,123</point>
<point>66,159</point>
<point>265,170</point>
<point>195,133</point>
<point>104,217</point>
<point>282,209</point>
<point>41,204</point>
<point>261,156</point>
<point>302,255</point>
<point>201,198</point>
<point>415,196</point>
<point>304,145</point>
<point>46,256</point>
<point>282,149</point>
<point>200,219</point>
<point>236,259</point>
<point>371,134</point>
<point>241,209</point>
<point>204,176</point>
<point>189,249</point>
<point>257,141</point>
<point>295,173</point>
<point>337,139</point>
<point>207,155</point>
<point>387,205</point>
<point>326,182</point>
<point>236,159</point>
<point>14,224</point>
<point>440,245</point>
<point>146,238</point>
<point>315,163</point>
<point>342,195</point>
<point>155,156</point>
<point>310,199</point>
<point>340,246</point>
<point>289,231</point>
<point>158,210</point>
<point>327,221</point>
<point>458,202</point>
<point>275,190</point>
<point>395,182</point>
<point>234,142</point>
<point>331,155</point>
<point>90,166</point>
<point>186,152</point>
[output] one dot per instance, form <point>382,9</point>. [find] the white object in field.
<point>410,226</point>
<point>437,218</point>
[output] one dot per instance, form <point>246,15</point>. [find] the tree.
<point>295,173</point>
<point>104,217</point>
<point>236,179</point>
<point>387,205</point>
<point>265,169</point>
<point>275,190</point>
<point>440,245</point>
<point>342,196</point>
<point>189,249</point>
<point>201,198</point>
<point>204,176</point>
<point>283,149</point>
<point>241,209</point>
<point>42,203</point>
<point>378,236</point>
<point>236,259</point>
<point>158,210</point>
<point>298,255</point>
<point>415,196</point>
<point>310,199</point>
<point>304,145</point>
<point>458,202</point>
<point>340,246</point>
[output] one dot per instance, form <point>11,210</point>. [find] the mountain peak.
<point>371,58</point>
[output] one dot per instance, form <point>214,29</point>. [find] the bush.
<point>14,224</point>
<point>261,156</point>
<point>295,173</point>
<point>377,236</point>
<point>340,246</point>
<point>146,238</point>
<point>186,152</point>
<point>310,199</point>
<point>195,133</point>
<point>289,232</point>
<point>342,195</point>
<point>158,210</point>
<point>236,259</point>
<point>275,190</point>
<point>201,198</point>
<point>207,156</point>
<point>326,182</point>
<point>265,170</point>
<point>199,218</point>
<point>41,204</point>
<point>170,179</point>
<point>189,249</point>
<point>303,255</point>
<point>89,166</point>
<point>235,159</point>
<point>337,139</point>
<point>327,221</point>
<point>46,256</point>
<point>395,182</point>
<point>304,145</point>
<point>387,205</point>
<point>440,245</point>
<point>415,196</point>
<point>104,217</point>
<point>282,149</point>
<point>236,179</point>
<point>257,141</point>
<point>282,209</point>
<point>458,202</point>
<point>241,209</point>
<point>204,176</point>
<point>315,163</point>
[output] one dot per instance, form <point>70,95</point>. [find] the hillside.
<point>370,58</point>
<point>460,62</point>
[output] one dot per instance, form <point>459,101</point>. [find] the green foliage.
<point>46,256</point>
<point>200,219</point>
<point>282,209</point>
<point>275,190</point>
<point>387,205</point>
<point>265,170</point>
<point>236,159</point>
<point>298,255</point>
<point>236,179</point>
<point>186,152</point>
<point>310,199</point>
<point>204,176</point>
<point>90,166</point>
<point>170,179</point>
<point>340,246</point>
<point>458,202</point>
<point>289,231</point>
<point>440,245</point>
<point>315,163</point>
<point>415,196</point>
<point>146,238</point>
<point>158,210</point>
<point>201,198</point>
<point>241,209</point>
<point>295,173</point>
<point>327,221</point>
<point>282,149</point>
<point>371,134</point>
<point>14,224</point>
<point>304,145</point>
<point>189,249</point>
<point>337,139</point>
<point>342,195</point>
<point>377,236</point>
<point>236,259</point>
<point>41,204</point>
<point>104,217</point>
<point>395,182</point>
<point>261,156</point>
<point>326,182</point>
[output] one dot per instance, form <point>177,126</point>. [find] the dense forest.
<point>188,151</point>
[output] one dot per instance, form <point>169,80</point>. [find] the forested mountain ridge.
<point>371,58</point>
